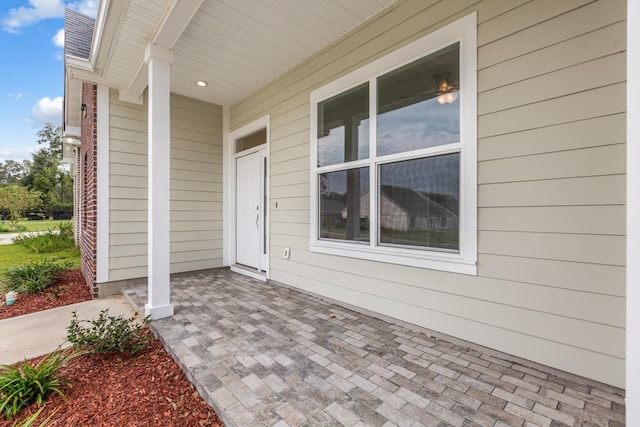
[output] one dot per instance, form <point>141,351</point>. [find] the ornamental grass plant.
<point>34,276</point>
<point>24,384</point>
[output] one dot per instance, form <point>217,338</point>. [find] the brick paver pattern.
<point>263,354</point>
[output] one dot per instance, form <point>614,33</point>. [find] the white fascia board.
<point>125,96</point>
<point>71,87</point>
<point>72,131</point>
<point>88,77</point>
<point>98,29</point>
<point>78,63</point>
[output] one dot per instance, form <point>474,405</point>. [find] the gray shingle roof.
<point>78,34</point>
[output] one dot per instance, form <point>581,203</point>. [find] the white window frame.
<point>464,261</point>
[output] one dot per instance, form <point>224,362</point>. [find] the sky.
<point>32,70</point>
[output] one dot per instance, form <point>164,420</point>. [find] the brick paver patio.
<point>263,354</point>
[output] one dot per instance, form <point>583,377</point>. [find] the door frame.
<point>230,208</point>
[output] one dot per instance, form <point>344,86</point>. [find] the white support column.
<point>633,214</point>
<point>159,60</point>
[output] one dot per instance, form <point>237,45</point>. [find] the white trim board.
<point>102,223</point>
<point>633,215</point>
<point>226,190</point>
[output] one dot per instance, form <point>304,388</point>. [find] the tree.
<point>11,171</point>
<point>17,200</point>
<point>45,174</point>
<point>51,137</point>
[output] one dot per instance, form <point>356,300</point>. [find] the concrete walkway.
<point>36,334</point>
<point>263,354</point>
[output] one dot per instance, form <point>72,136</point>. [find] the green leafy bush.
<point>35,276</point>
<point>51,241</point>
<point>20,386</point>
<point>108,334</point>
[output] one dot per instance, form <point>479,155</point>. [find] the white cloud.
<point>47,110</point>
<point>16,153</point>
<point>58,39</point>
<point>37,10</point>
<point>16,96</point>
<point>85,7</point>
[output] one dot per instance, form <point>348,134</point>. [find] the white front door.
<point>250,210</point>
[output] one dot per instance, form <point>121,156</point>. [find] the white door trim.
<point>229,219</point>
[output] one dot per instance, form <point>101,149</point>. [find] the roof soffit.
<point>238,46</point>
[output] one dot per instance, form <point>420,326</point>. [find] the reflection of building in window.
<point>403,209</point>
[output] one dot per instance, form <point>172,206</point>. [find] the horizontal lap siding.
<point>551,182</point>
<point>196,187</point>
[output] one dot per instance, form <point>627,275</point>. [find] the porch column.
<point>633,215</point>
<point>159,61</point>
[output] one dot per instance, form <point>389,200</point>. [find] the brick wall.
<point>88,187</point>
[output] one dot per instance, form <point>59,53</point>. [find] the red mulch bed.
<point>148,389</point>
<point>70,289</point>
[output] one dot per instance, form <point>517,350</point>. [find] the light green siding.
<point>196,187</point>
<point>551,173</point>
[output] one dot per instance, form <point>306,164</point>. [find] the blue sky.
<point>31,74</point>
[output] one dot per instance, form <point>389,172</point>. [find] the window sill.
<point>453,263</point>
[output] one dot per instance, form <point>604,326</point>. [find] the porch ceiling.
<point>237,46</point>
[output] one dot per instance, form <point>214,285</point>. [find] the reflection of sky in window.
<point>438,174</point>
<point>420,125</point>
<point>331,147</point>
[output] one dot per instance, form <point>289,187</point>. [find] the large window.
<point>393,173</point>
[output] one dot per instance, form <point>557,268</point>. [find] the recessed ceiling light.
<point>202,83</point>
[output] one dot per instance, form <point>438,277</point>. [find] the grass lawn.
<point>33,226</point>
<point>15,255</point>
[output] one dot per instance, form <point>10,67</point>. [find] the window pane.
<point>418,105</point>
<point>419,202</point>
<point>250,141</point>
<point>343,127</point>
<point>344,205</point>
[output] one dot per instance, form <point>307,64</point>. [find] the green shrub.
<point>51,241</point>
<point>108,334</point>
<point>20,386</point>
<point>35,276</point>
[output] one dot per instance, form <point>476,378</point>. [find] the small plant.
<point>35,276</point>
<point>20,386</point>
<point>108,334</point>
<point>51,241</point>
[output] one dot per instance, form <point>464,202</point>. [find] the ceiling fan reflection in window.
<point>445,93</point>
